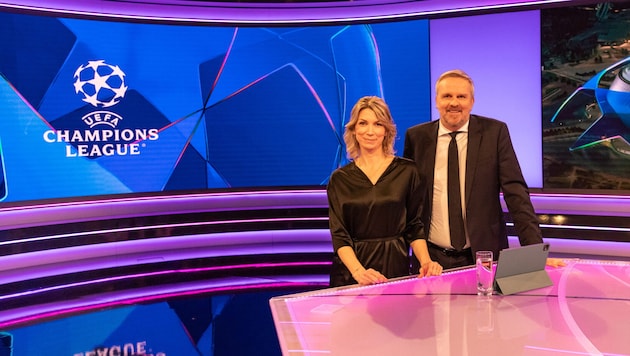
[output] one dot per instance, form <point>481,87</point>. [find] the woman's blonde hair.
<point>381,110</point>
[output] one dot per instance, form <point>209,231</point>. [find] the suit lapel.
<point>431,146</point>
<point>474,143</point>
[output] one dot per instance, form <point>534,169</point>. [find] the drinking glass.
<point>485,274</point>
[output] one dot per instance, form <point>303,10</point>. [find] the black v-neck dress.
<point>378,221</point>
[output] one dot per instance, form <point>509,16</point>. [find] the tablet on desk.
<point>520,269</point>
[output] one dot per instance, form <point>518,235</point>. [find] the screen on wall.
<point>586,97</point>
<point>93,107</point>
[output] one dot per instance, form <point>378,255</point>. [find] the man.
<point>487,165</point>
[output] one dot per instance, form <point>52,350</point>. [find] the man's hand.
<point>430,269</point>
<point>555,262</point>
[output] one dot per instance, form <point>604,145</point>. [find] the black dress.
<point>378,221</point>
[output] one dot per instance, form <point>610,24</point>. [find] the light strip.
<point>89,257</point>
<point>578,227</point>
<point>248,221</point>
<point>32,314</point>
<point>150,227</point>
<point>159,273</point>
<point>77,211</point>
<point>172,198</point>
<point>122,207</point>
<point>267,13</point>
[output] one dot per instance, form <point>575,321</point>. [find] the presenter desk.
<point>585,312</point>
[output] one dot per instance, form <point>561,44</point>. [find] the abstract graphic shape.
<point>278,120</point>
<point>607,95</point>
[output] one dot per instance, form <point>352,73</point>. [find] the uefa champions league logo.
<point>101,84</point>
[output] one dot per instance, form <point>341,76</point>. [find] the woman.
<point>374,208</point>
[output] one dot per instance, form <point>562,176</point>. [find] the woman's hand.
<point>431,268</point>
<point>368,276</point>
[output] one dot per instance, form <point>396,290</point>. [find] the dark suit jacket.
<point>491,167</point>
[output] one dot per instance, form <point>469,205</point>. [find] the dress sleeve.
<point>338,230</point>
<point>415,201</point>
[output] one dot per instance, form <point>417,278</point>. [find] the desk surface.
<point>585,312</point>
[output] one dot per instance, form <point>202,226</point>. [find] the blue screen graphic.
<point>96,108</point>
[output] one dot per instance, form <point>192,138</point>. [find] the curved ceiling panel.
<point>243,13</point>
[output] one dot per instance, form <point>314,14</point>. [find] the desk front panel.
<point>586,311</point>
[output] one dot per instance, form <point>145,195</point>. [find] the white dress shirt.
<point>439,232</point>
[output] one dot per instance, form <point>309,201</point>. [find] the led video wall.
<point>91,107</point>
<point>586,95</point>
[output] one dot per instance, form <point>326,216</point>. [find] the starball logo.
<point>101,85</point>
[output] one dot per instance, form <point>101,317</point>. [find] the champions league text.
<point>88,143</point>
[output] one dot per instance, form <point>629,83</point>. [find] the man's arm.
<point>516,192</point>
<point>517,199</point>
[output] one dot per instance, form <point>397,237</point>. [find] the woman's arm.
<point>359,273</point>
